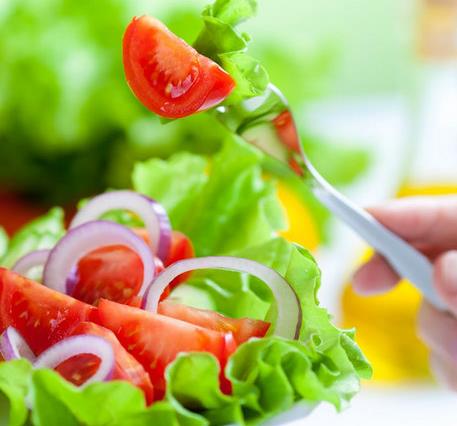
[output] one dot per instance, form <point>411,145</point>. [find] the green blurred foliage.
<point>69,125</point>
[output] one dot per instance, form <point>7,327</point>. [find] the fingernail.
<point>449,270</point>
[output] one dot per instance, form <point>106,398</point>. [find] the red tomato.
<point>41,315</point>
<point>181,248</point>
<point>80,368</point>
<point>167,75</point>
<point>155,340</point>
<point>111,272</point>
<point>287,131</point>
<point>242,329</point>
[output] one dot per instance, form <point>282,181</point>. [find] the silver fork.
<point>266,122</point>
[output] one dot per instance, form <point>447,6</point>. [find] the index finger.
<point>422,221</point>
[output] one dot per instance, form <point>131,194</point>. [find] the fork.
<point>267,122</point>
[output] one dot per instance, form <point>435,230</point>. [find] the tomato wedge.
<point>169,76</point>
<point>242,329</point>
<point>112,272</point>
<point>80,368</point>
<point>155,340</point>
<point>181,247</point>
<point>41,315</point>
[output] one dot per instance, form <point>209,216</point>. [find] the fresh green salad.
<point>174,302</point>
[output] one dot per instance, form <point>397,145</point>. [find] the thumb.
<point>445,275</point>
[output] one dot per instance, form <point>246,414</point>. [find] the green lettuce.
<point>221,41</point>
<point>223,205</point>
<point>41,233</point>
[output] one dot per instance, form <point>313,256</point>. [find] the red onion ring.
<point>30,260</point>
<point>78,345</point>
<point>83,239</point>
<point>152,214</point>
<point>289,317</point>
<point>13,346</point>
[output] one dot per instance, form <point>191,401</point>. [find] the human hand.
<point>429,224</point>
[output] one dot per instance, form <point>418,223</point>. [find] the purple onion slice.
<point>289,315</point>
<point>82,240</point>
<point>31,260</point>
<point>79,345</point>
<point>152,214</point>
<point>13,346</point>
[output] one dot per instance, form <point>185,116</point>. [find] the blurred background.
<point>375,87</point>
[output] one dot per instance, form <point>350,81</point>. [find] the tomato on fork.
<point>169,76</point>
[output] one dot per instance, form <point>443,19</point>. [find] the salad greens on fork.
<point>174,303</point>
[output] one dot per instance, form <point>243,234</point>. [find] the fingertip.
<point>425,320</point>
<point>438,330</point>
<point>445,277</point>
<point>444,371</point>
<point>374,277</point>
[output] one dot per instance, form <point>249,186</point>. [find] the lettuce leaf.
<point>41,233</point>
<point>221,41</point>
<point>14,383</point>
<point>223,205</point>
<point>333,352</point>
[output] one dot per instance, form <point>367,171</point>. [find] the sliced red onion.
<point>13,346</point>
<point>31,260</point>
<point>83,239</point>
<point>289,317</point>
<point>78,345</point>
<point>152,214</point>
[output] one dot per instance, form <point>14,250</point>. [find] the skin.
<point>430,224</point>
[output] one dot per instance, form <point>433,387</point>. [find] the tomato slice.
<point>111,272</point>
<point>286,130</point>
<point>155,340</point>
<point>80,368</point>
<point>181,247</point>
<point>41,315</point>
<point>169,76</point>
<point>242,329</point>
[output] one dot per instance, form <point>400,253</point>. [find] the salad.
<point>174,302</point>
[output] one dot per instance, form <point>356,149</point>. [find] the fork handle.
<point>404,258</point>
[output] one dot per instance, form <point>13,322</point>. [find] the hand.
<point>430,224</point>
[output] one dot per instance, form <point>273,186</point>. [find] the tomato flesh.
<point>41,315</point>
<point>126,366</point>
<point>181,247</point>
<point>155,340</point>
<point>112,272</point>
<point>286,130</point>
<point>242,329</point>
<point>79,369</point>
<point>169,76</point>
